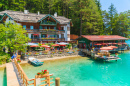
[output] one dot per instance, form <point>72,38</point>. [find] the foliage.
<point>4,57</point>
<point>86,15</point>
<point>13,36</point>
<point>68,46</point>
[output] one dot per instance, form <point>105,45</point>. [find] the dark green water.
<point>87,72</point>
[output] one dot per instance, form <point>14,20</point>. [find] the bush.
<point>4,57</point>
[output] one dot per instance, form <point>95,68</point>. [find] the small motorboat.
<point>35,61</point>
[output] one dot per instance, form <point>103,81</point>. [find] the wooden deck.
<point>95,56</point>
<point>11,75</point>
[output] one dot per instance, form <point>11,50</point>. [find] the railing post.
<point>57,81</point>
<point>35,81</point>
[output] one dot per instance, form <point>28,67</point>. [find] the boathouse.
<point>88,41</point>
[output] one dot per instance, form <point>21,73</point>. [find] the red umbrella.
<point>34,46</point>
<point>104,43</point>
<point>62,45</point>
<point>119,43</point>
<point>109,43</point>
<point>124,43</point>
<point>106,48</point>
<point>97,44</point>
<point>113,46</point>
<point>55,45</point>
<point>114,43</point>
<point>45,46</point>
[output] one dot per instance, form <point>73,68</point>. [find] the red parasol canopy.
<point>113,46</point>
<point>98,44</point>
<point>104,43</point>
<point>106,48</point>
<point>114,43</point>
<point>55,45</point>
<point>109,43</point>
<point>45,46</point>
<point>62,45</point>
<point>119,43</point>
<point>34,46</point>
<point>35,34</point>
<point>124,43</point>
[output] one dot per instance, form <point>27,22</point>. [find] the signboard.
<point>81,41</point>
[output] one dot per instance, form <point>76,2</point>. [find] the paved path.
<point>11,75</point>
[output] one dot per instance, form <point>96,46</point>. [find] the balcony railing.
<point>48,39</point>
<point>45,30</point>
<point>48,23</point>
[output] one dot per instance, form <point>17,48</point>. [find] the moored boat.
<point>35,61</point>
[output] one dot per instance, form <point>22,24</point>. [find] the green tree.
<point>14,37</point>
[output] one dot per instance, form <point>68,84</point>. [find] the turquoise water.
<point>3,79</point>
<point>128,42</point>
<point>86,72</point>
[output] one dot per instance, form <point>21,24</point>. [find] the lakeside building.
<point>88,41</point>
<point>40,27</point>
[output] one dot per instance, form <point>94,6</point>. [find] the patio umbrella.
<point>31,43</point>
<point>119,43</point>
<point>104,43</point>
<point>124,43</point>
<point>62,43</point>
<point>46,46</point>
<point>109,43</point>
<point>34,46</point>
<point>55,45</point>
<point>114,43</point>
<point>98,44</point>
<point>106,48</point>
<point>113,46</point>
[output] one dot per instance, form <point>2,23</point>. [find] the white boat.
<point>35,61</point>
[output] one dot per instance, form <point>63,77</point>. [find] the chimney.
<point>55,14</point>
<point>38,13</point>
<point>25,11</point>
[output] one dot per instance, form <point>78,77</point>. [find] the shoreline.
<point>54,58</point>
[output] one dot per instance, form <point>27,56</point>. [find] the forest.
<point>87,16</point>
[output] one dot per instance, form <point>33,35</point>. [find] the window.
<point>54,28</point>
<point>43,36</point>
<point>24,26</point>
<point>31,36</point>
<point>40,27</point>
<point>31,27</point>
<point>45,27</point>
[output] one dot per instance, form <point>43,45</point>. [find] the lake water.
<point>3,79</point>
<point>83,71</point>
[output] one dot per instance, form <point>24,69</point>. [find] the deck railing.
<point>26,80</point>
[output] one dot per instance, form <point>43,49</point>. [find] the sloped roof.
<point>31,17</point>
<point>73,37</point>
<point>103,37</point>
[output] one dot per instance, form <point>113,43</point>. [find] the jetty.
<point>95,56</point>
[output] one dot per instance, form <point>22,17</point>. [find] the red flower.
<point>42,70</point>
<point>38,73</point>
<point>45,70</point>
<point>18,59</point>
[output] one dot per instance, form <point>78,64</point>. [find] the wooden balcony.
<point>45,31</point>
<point>48,39</point>
<point>48,23</point>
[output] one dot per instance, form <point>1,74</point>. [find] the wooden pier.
<point>99,57</point>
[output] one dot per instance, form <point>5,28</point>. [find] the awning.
<point>98,44</point>
<point>46,46</point>
<point>62,43</point>
<point>34,46</point>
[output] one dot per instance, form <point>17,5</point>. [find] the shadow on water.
<point>5,78</point>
